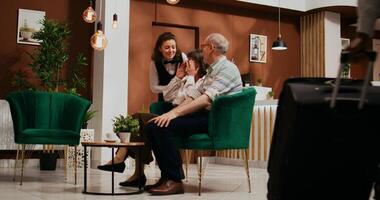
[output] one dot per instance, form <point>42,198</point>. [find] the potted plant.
<point>89,115</point>
<point>124,126</point>
<point>270,95</point>
<point>259,82</point>
<point>26,32</point>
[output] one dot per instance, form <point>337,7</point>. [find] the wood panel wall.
<point>313,45</point>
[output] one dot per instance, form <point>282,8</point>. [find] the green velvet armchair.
<point>46,118</point>
<point>229,127</point>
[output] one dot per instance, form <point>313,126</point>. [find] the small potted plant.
<point>259,82</point>
<point>270,95</point>
<point>26,32</point>
<point>124,126</point>
<point>89,115</point>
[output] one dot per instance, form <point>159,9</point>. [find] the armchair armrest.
<point>160,107</point>
<point>18,113</point>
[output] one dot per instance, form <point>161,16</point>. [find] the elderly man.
<point>191,117</point>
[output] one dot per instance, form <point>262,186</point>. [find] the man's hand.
<point>358,46</point>
<point>164,119</point>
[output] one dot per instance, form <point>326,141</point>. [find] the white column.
<point>110,75</point>
<point>333,45</point>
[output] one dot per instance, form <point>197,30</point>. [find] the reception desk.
<point>263,118</point>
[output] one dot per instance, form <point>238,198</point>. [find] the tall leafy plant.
<point>48,61</point>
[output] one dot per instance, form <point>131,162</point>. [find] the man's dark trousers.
<point>162,140</point>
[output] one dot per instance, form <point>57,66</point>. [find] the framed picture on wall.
<point>29,22</point>
<point>258,48</point>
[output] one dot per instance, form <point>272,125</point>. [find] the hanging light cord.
<point>155,11</point>
<point>100,10</point>
<point>279,19</point>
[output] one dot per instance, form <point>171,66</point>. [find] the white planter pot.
<point>124,137</point>
<point>26,34</point>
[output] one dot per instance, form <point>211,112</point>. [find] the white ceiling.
<point>303,5</point>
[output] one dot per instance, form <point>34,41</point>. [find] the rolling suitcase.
<point>320,151</point>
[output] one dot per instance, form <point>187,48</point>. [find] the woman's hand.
<point>164,119</point>
<point>181,71</point>
<point>191,68</point>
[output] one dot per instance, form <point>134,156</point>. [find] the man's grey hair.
<point>219,41</point>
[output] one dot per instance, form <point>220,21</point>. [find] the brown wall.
<point>234,23</point>
<point>13,56</point>
<point>358,70</point>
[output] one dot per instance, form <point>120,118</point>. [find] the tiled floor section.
<point>221,182</point>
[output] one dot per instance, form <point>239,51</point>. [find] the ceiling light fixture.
<point>114,21</point>
<point>172,2</point>
<point>98,40</point>
<point>114,18</point>
<point>279,44</point>
<point>89,15</point>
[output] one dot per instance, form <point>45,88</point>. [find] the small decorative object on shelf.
<point>346,71</point>
<point>259,82</point>
<point>270,95</point>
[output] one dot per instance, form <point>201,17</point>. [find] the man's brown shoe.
<point>158,183</point>
<point>168,187</point>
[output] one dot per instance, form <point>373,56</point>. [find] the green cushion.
<point>50,136</point>
<point>197,141</point>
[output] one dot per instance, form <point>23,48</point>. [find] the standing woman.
<point>166,58</point>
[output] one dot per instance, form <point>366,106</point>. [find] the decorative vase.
<point>124,137</point>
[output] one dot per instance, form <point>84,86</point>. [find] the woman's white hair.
<point>219,41</point>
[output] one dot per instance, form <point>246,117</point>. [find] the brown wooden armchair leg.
<point>22,162</point>
<point>247,169</point>
<point>16,160</point>
<point>200,175</point>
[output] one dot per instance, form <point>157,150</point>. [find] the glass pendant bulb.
<point>172,1</point>
<point>114,21</point>
<point>89,15</point>
<point>98,40</point>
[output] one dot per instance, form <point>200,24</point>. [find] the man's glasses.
<point>205,45</point>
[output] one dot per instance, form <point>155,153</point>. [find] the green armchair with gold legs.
<point>46,118</point>
<point>229,127</point>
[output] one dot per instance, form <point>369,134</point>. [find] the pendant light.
<point>89,15</point>
<point>98,40</point>
<point>279,44</point>
<point>114,18</point>
<point>172,2</point>
<point>114,21</point>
